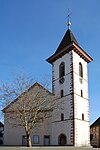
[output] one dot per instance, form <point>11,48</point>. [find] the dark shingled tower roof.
<point>67,39</point>
<point>96,123</point>
<point>67,44</point>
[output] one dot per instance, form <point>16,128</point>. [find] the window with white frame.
<point>35,139</point>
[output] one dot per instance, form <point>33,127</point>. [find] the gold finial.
<point>69,23</point>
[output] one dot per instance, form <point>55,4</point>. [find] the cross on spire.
<point>69,23</point>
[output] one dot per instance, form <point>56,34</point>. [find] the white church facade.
<point>71,125</point>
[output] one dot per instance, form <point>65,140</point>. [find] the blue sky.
<point>31,30</point>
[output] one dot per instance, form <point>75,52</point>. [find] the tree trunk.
<point>29,144</point>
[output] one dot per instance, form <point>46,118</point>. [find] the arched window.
<point>61,69</point>
<point>80,70</point>
<point>62,117</point>
<point>61,93</point>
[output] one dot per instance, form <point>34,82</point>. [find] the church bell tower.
<point>71,126</point>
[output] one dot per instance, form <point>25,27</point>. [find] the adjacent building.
<point>1,133</point>
<point>71,125</point>
<point>95,133</point>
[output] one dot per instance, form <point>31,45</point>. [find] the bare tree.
<point>26,104</point>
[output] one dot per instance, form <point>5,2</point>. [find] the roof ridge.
<point>27,90</point>
<point>96,122</point>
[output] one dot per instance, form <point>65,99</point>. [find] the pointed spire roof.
<point>67,44</point>
<point>67,40</point>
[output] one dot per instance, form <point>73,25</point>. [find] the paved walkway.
<point>48,148</point>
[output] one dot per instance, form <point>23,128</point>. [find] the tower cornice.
<point>72,46</point>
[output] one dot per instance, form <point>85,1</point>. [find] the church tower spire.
<point>70,83</point>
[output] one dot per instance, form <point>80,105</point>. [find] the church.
<point>69,126</point>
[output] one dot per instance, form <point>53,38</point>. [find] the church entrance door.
<point>46,140</point>
<point>62,139</point>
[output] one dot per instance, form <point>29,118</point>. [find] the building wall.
<point>55,75</point>
<point>95,132</point>
<point>13,134</point>
<point>81,102</point>
<point>66,102</point>
<point>75,104</point>
<point>61,127</point>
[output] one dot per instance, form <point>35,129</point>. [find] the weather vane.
<point>69,23</point>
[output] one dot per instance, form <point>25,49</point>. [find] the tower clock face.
<point>61,80</point>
